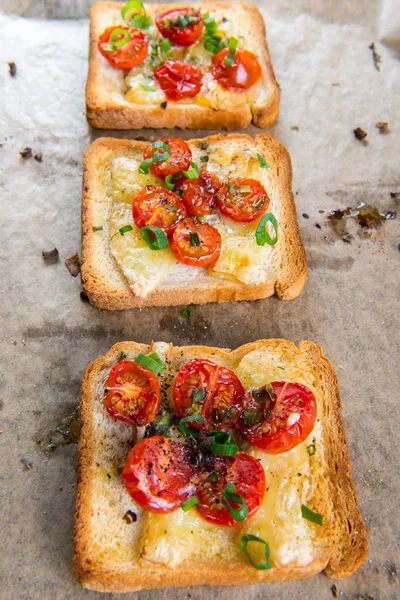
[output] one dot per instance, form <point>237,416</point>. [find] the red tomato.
<point>244,471</point>
<point>132,393</point>
<point>178,79</point>
<point>195,243</point>
<point>243,200</point>
<point>244,72</point>
<point>128,55</point>
<point>179,160</point>
<point>182,26</point>
<point>158,207</point>
<point>158,474</point>
<point>285,420</point>
<point>205,388</point>
<point>199,195</point>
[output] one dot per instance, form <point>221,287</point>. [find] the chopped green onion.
<point>151,361</point>
<point>212,42</point>
<point>311,449</point>
<point>144,166</point>
<point>189,430</point>
<point>204,158</point>
<point>118,41</point>
<point>147,88</point>
<point>223,445</point>
<point>229,495</point>
<point>244,189</point>
<point>310,515</point>
<point>230,57</point>
<point>159,242</point>
<point>190,503</point>
<point>199,394</point>
<point>232,189</point>
<point>262,235</point>
<point>193,173</point>
<point>122,230</point>
<point>252,417</point>
<point>168,183</point>
<point>194,239</point>
<point>187,313</point>
<point>263,162</point>
<point>249,537</point>
<point>165,45</point>
<point>163,155</point>
<point>163,422</point>
<point>98,228</point>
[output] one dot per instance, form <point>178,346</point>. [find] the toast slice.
<point>245,271</point>
<point>180,549</point>
<point>107,106</point>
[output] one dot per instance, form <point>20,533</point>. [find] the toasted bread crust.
<point>114,293</point>
<point>345,541</point>
<point>104,112</point>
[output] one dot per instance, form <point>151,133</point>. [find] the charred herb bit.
<point>359,133</point>
<point>187,313</point>
<point>38,157</point>
<point>50,257</point>
<point>383,127</point>
<point>295,127</point>
<point>162,422</point>
<point>26,153</point>
<point>204,158</point>
<point>27,464</point>
<point>73,264</point>
<point>130,517</point>
<point>12,69</point>
<point>375,56</point>
<point>252,417</point>
<point>199,394</point>
<point>100,228</point>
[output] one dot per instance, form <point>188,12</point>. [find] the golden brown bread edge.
<point>106,114</point>
<point>348,546</point>
<point>101,294</point>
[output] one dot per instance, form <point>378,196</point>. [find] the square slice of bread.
<point>281,268</point>
<point>107,107</point>
<point>114,554</point>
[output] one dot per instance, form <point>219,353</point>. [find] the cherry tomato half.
<point>132,393</point>
<point>244,72</point>
<point>182,26</point>
<point>178,79</point>
<point>283,419</point>
<point>205,388</point>
<point>243,200</point>
<point>158,207</point>
<point>158,474</point>
<point>195,243</point>
<point>248,477</point>
<point>179,159</point>
<point>128,54</point>
<point>199,195</point>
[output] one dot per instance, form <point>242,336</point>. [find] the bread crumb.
<point>73,264</point>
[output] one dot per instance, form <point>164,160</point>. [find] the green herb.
<point>189,430</point>
<point>163,422</point>
<point>157,241</point>
<point>230,57</point>
<point>223,445</point>
<point>134,18</point>
<point>229,495</point>
<point>151,361</point>
<point>97,228</point>
<point>147,88</point>
<point>262,235</point>
<point>212,42</point>
<point>249,537</point>
<point>144,166</point>
<point>244,189</point>
<point>213,476</point>
<point>252,417</point>
<point>187,313</point>
<point>183,21</point>
<point>168,183</point>
<point>165,45</point>
<point>202,218</point>
<point>311,449</point>
<point>204,158</point>
<point>122,230</point>
<point>310,515</point>
<point>263,162</point>
<point>232,189</point>
<point>193,173</point>
<point>199,394</point>
<point>190,503</point>
<point>160,151</point>
<point>119,37</point>
<point>179,192</point>
<point>194,239</point>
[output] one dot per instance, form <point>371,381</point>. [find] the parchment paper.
<point>330,86</point>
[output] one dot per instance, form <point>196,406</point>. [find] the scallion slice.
<point>190,503</point>
<point>168,183</point>
<point>163,422</point>
<point>311,450</point>
<point>159,242</point>
<point>252,417</point>
<point>165,45</point>
<point>163,155</point>
<point>230,57</point>
<point>119,37</point>
<point>262,235</point>
<point>185,428</point>
<point>229,495</point>
<point>263,162</point>
<point>151,361</point>
<point>194,239</point>
<point>223,445</point>
<point>147,88</point>
<point>232,189</point>
<point>204,158</point>
<point>122,230</point>
<point>310,515</point>
<point>187,313</point>
<point>193,173</point>
<point>244,189</point>
<point>144,166</point>
<point>249,537</point>
<point>98,228</point>
<point>199,394</point>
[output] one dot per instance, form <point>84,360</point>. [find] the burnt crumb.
<point>203,145</point>
<point>395,194</point>
<point>375,56</point>
<point>391,570</point>
<point>27,464</point>
<point>83,297</point>
<point>305,216</point>
<point>164,105</point>
<point>383,127</point>
<point>334,590</point>
<point>130,517</point>
<point>12,69</point>
<point>38,157</point>
<point>346,240</point>
<point>359,133</point>
<point>317,225</point>
<point>295,127</point>
<point>140,138</point>
<point>122,356</point>
<point>50,257</point>
<point>73,264</point>
<point>26,153</point>
<point>365,597</point>
<point>321,212</point>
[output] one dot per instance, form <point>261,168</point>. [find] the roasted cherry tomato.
<point>244,72</point>
<point>158,207</point>
<point>205,388</point>
<point>179,159</point>
<point>178,79</point>
<point>248,477</point>
<point>123,47</point>
<point>158,474</point>
<point>243,200</point>
<point>195,243</point>
<point>132,393</point>
<point>279,417</point>
<point>199,195</point>
<point>182,26</point>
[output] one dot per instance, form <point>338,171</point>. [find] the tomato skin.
<point>132,393</point>
<point>223,394</point>
<point>273,434</point>
<point>196,256</point>
<point>245,472</point>
<point>243,206</point>
<point>178,79</point>
<point>168,25</point>
<point>158,474</point>
<point>199,195</point>
<point>130,54</point>
<point>179,160</point>
<point>242,75</point>
<point>158,207</point>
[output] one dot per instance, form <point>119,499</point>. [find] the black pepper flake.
<point>50,257</point>
<point>359,133</point>
<point>164,105</point>
<point>38,157</point>
<point>130,517</point>
<point>26,153</point>
<point>73,264</point>
<point>317,225</point>
<point>12,69</point>
<point>346,240</point>
<point>305,216</point>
